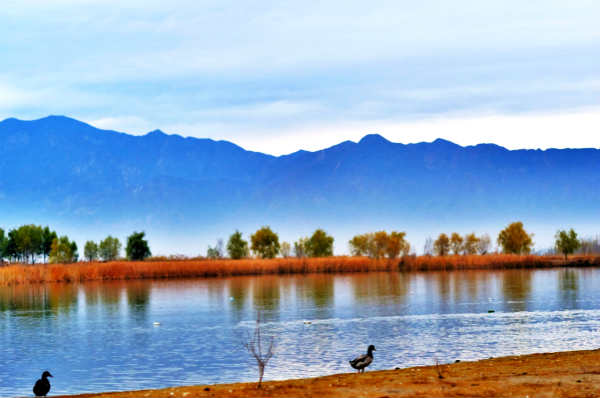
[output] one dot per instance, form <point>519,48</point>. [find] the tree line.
<point>513,239</point>
<point>264,243</point>
<point>30,243</point>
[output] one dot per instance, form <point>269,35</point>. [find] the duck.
<point>42,386</point>
<point>361,362</point>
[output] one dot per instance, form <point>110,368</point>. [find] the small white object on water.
<point>156,323</point>
<point>231,299</point>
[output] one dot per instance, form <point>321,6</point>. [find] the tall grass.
<point>492,261</point>
<point>125,270</point>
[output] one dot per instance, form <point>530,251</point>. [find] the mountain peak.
<point>373,139</point>
<point>156,133</point>
<point>60,119</point>
<point>441,141</point>
<point>51,121</point>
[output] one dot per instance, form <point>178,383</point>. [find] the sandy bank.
<point>564,374</point>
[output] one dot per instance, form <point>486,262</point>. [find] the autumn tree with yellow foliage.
<point>514,239</point>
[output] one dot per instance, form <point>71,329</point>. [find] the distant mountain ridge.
<point>58,169</point>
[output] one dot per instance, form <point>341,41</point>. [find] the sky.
<point>276,76</point>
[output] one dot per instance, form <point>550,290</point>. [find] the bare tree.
<point>484,244</point>
<point>285,249</point>
<point>428,248</point>
<point>589,246</point>
<point>254,344</point>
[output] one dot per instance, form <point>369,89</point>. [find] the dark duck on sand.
<point>42,386</point>
<point>361,362</point>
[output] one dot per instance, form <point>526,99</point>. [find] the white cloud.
<point>275,76</point>
<point>12,97</point>
<point>137,39</point>
<point>126,124</point>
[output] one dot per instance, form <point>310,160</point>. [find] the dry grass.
<point>125,270</point>
<point>492,261</point>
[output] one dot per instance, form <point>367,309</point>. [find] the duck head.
<point>46,374</point>
<point>371,348</point>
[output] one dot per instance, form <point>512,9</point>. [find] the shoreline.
<point>569,373</point>
<point>20,274</point>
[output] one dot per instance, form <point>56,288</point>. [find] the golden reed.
<point>165,269</point>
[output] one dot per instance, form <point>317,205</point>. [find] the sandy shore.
<point>564,374</point>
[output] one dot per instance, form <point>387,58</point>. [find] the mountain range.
<point>187,192</point>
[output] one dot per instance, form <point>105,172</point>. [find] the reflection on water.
<point>38,300</point>
<point>316,290</point>
<point>568,286</point>
<point>265,294</point>
<point>105,333</point>
<point>385,287</point>
<point>516,287</point>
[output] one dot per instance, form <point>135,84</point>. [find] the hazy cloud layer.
<point>277,76</point>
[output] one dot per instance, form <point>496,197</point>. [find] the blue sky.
<point>279,76</point>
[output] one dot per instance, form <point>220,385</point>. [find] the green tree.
<point>514,239</point>
<point>3,244</point>
<point>74,253</point>
<point>567,242</point>
<point>28,242</point>
<point>109,248</point>
<point>470,244</point>
<point>319,244</point>
<point>359,245</point>
<point>10,250</point>
<point>48,237</point>
<point>456,243</point>
<point>265,243</point>
<point>137,248</point>
<point>236,246</point>
<point>90,250</point>
<point>63,251</point>
<point>441,246</point>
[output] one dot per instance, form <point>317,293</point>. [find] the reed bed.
<point>492,261</point>
<point>170,269</point>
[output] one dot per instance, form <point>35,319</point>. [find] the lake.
<point>103,336</point>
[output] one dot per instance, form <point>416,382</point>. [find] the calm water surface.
<point>101,336</point>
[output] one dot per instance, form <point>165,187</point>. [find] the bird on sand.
<point>361,362</point>
<point>42,386</point>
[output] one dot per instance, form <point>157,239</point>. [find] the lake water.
<point>102,336</point>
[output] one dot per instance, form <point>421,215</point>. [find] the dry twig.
<point>254,345</point>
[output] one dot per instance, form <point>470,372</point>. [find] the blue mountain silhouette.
<point>58,168</point>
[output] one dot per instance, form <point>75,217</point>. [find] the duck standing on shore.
<point>361,362</point>
<point>42,386</point>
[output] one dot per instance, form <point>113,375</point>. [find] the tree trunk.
<point>261,372</point>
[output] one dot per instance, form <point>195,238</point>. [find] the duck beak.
<point>50,375</point>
